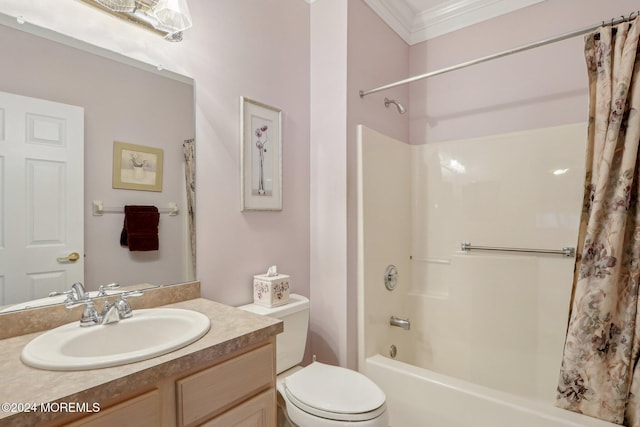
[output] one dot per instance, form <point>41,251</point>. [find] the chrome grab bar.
<point>401,323</point>
<point>566,251</point>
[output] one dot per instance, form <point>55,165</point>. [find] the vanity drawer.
<point>209,392</point>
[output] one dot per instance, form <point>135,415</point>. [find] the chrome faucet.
<point>79,290</point>
<point>402,323</point>
<point>111,313</point>
<point>76,293</point>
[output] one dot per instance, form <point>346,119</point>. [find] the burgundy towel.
<point>140,230</point>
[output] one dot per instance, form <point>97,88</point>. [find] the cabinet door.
<point>212,391</point>
<point>259,411</point>
<point>141,411</point>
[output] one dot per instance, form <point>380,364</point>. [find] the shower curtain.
<point>188,148</point>
<point>599,376</point>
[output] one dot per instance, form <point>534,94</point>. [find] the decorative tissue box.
<point>271,291</point>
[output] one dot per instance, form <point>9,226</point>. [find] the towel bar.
<point>99,209</point>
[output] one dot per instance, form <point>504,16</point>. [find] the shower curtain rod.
<point>534,45</point>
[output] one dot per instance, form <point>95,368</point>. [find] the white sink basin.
<point>149,333</point>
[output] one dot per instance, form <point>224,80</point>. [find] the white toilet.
<point>318,395</point>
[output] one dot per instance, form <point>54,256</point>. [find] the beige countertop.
<point>231,329</point>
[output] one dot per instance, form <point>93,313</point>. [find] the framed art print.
<point>261,156</point>
<point>136,167</point>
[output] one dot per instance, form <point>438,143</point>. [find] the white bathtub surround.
<point>492,319</point>
<point>384,234</point>
<point>599,374</point>
<point>495,318</point>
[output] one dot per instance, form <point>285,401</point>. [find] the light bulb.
<point>173,14</point>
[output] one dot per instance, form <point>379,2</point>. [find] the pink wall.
<point>257,49</point>
<point>350,49</point>
<point>328,195</point>
<point>542,87</point>
<point>376,55</point>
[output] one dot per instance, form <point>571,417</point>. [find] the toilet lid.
<point>335,393</point>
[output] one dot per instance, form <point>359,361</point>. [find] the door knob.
<point>72,257</point>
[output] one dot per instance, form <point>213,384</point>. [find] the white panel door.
<point>41,197</point>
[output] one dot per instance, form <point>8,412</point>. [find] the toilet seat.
<point>334,393</point>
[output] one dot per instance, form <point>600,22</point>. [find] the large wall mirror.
<point>123,101</point>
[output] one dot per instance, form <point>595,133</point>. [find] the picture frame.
<point>260,156</point>
<point>136,167</point>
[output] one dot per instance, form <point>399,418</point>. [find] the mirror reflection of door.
<point>41,172</point>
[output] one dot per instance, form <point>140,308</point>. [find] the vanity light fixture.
<point>118,5</point>
<point>168,18</point>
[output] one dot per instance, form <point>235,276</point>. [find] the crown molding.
<point>415,27</point>
<point>396,14</point>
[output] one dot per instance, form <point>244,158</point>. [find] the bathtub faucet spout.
<point>401,323</point>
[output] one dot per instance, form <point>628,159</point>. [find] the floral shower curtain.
<point>599,376</point>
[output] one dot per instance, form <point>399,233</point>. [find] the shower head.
<point>399,106</point>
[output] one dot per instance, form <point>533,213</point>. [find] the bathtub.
<point>417,397</point>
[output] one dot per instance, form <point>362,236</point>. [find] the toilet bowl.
<point>318,395</point>
<point>324,395</point>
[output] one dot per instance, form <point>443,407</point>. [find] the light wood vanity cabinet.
<point>237,391</point>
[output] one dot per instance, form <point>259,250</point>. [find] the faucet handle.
<point>124,308</point>
<point>131,294</point>
<point>102,290</point>
<point>68,293</point>
<point>90,315</point>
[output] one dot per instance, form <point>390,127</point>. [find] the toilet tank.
<point>291,342</point>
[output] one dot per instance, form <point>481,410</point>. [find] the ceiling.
<point>419,20</point>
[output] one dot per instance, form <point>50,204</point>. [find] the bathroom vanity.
<point>225,378</point>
